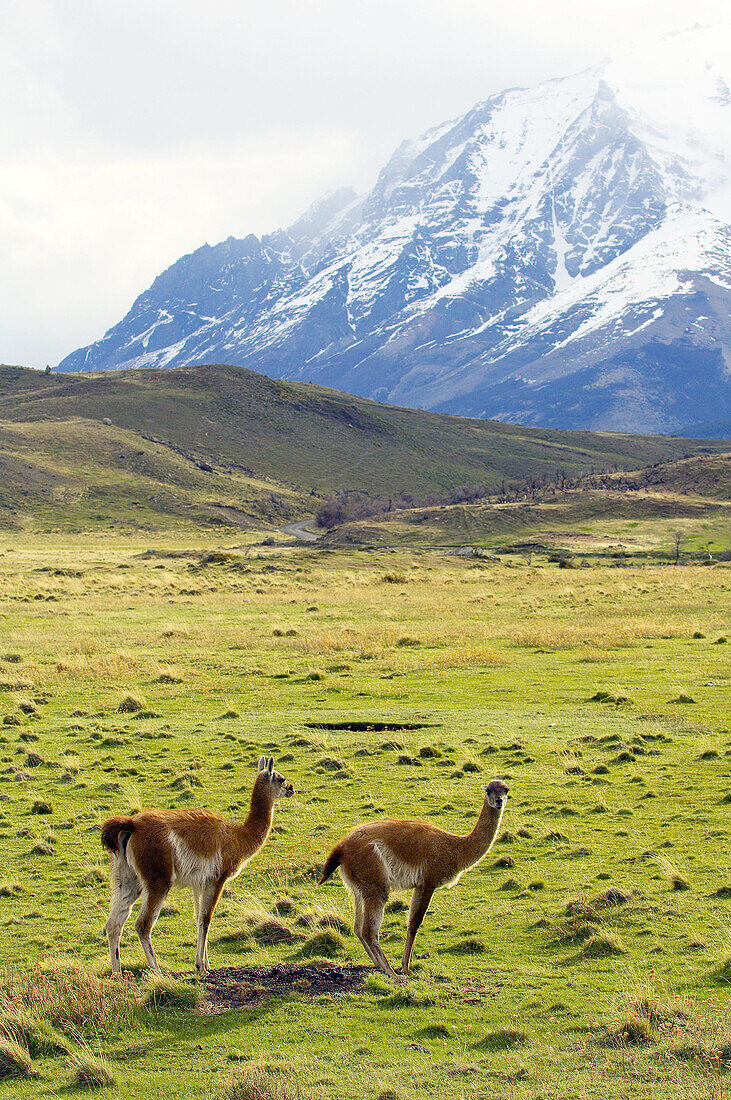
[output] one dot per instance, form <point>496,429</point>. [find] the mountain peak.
<point>558,255</point>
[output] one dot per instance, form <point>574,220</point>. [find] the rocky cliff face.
<point>559,256</point>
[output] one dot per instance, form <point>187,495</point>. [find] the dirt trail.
<point>301,530</point>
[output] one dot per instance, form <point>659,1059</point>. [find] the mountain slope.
<point>558,256</point>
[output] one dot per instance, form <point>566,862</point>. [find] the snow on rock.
<point>558,255</point>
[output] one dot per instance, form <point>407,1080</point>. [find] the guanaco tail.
<point>382,856</point>
<point>157,849</point>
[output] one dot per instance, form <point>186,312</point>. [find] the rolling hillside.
<point>223,444</point>
<point>640,511</point>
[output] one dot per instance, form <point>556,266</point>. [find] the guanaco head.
<point>275,784</point>
<point>496,794</point>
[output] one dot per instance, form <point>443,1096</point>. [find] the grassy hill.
<point>636,512</point>
<point>223,444</point>
<point>76,472</point>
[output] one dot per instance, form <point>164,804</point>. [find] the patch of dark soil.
<point>372,727</point>
<point>230,987</point>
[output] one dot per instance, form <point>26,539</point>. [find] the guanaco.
<point>382,856</point>
<point>157,849</point>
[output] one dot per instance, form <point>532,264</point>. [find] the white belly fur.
<point>401,875</point>
<point>191,869</point>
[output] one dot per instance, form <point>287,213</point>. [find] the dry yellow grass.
<point>70,996</point>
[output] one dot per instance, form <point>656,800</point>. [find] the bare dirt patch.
<point>232,987</point>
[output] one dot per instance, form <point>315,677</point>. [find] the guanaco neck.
<point>255,829</point>
<point>478,843</point>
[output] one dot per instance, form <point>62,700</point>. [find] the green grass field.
<point>587,956</point>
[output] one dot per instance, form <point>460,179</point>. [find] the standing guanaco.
<point>158,849</point>
<point>382,856</point>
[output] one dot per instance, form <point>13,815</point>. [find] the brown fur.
<point>193,848</point>
<point>382,856</point>
<point>111,830</point>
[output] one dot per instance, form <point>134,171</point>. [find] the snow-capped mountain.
<point>559,255</point>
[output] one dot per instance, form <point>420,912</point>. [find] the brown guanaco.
<point>382,856</point>
<point>157,849</point>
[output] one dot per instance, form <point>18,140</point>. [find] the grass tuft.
<point>603,944</point>
<point>410,996</point>
<point>257,1083</point>
<point>164,992</point>
<point>325,944</point>
<point>71,997</point>
<point>130,704</point>
<point>467,947</point>
<point>722,972</point>
<point>38,1036</point>
<point>15,1061</point>
<point>434,1031</point>
<point>271,931</point>
<point>502,1039</point>
<point>88,1072</point>
<point>635,1030</point>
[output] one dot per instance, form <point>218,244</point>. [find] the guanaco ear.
<point>262,764</point>
<point>270,765</point>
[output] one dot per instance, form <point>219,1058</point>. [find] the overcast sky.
<point>131,133</point>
